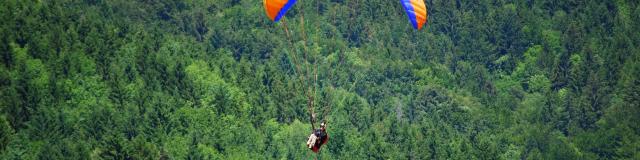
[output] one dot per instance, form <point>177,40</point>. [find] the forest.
<point>216,79</point>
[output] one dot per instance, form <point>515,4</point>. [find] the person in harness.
<point>318,138</point>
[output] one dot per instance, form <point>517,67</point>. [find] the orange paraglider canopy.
<point>277,8</point>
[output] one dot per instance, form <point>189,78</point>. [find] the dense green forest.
<point>216,79</point>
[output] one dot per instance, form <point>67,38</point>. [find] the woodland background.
<point>214,79</point>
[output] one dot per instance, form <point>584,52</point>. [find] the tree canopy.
<point>122,79</point>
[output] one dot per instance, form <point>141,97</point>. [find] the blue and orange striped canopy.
<point>417,12</point>
<point>277,8</point>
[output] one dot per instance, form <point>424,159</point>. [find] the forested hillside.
<point>216,79</point>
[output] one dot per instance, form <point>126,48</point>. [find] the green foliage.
<point>216,79</point>
<point>6,133</point>
<point>539,83</point>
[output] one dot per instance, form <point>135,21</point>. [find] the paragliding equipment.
<point>318,138</point>
<point>416,11</point>
<point>276,10</point>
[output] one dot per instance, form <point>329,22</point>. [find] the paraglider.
<point>276,9</point>
<point>416,11</point>
<point>318,138</point>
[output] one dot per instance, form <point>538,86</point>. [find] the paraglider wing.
<point>277,8</point>
<point>417,12</point>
